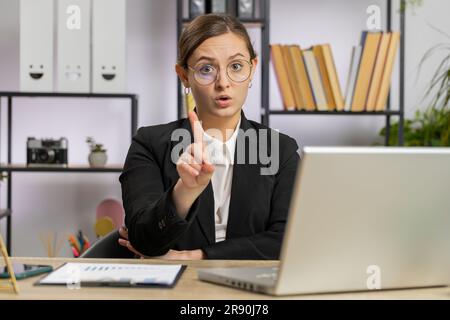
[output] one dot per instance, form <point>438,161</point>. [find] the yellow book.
<point>302,78</point>
<point>318,53</point>
<point>333,77</point>
<point>289,63</point>
<point>282,77</point>
<point>370,48</point>
<point>189,102</point>
<point>385,83</point>
<point>378,72</point>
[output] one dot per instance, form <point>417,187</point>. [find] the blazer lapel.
<point>244,176</point>
<point>205,215</point>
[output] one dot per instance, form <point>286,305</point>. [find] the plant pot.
<point>97,159</point>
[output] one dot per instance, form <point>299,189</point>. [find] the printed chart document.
<point>114,274</point>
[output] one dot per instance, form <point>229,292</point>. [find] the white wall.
<point>419,39</point>
<point>67,202</point>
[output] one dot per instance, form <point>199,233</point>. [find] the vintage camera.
<point>47,152</point>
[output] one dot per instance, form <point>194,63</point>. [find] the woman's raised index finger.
<point>196,126</point>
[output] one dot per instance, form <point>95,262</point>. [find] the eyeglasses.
<point>237,71</point>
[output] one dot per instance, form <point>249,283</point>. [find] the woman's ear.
<point>254,64</point>
<point>182,74</point>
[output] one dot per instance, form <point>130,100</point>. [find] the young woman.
<point>207,204</point>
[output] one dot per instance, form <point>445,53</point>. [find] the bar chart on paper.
<point>101,274</point>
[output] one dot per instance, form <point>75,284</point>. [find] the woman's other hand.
<point>197,254</point>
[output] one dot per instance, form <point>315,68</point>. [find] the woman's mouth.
<point>223,101</point>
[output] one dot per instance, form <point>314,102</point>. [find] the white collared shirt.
<point>222,156</point>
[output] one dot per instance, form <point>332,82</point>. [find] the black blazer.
<point>258,205</point>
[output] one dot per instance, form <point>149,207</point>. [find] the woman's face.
<point>225,56</point>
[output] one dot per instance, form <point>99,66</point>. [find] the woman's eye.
<point>206,69</point>
<point>236,66</point>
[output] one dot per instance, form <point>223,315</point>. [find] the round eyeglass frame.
<point>218,72</point>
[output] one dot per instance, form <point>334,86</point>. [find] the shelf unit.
<point>263,21</point>
<point>7,169</point>
<point>388,113</point>
<point>70,168</point>
<point>338,113</point>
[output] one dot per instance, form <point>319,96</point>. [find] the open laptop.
<point>360,219</point>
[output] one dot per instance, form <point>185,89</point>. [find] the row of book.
<point>308,80</point>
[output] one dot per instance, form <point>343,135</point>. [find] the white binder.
<point>36,45</point>
<point>73,45</point>
<point>108,46</point>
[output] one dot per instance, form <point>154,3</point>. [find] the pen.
<point>75,252</point>
<point>74,243</point>
<point>80,240</point>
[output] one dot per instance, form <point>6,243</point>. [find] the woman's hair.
<point>207,26</point>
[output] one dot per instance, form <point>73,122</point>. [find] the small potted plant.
<point>429,127</point>
<point>97,157</point>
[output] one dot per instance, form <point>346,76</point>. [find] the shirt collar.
<point>222,152</point>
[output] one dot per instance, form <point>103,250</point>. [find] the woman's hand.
<point>126,243</point>
<point>197,254</point>
<point>170,255</point>
<point>193,167</point>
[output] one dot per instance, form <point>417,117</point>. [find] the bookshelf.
<point>387,113</point>
<point>7,169</point>
<point>263,21</point>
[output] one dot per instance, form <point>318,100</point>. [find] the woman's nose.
<point>222,80</point>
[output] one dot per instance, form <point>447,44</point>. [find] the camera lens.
<point>46,156</point>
